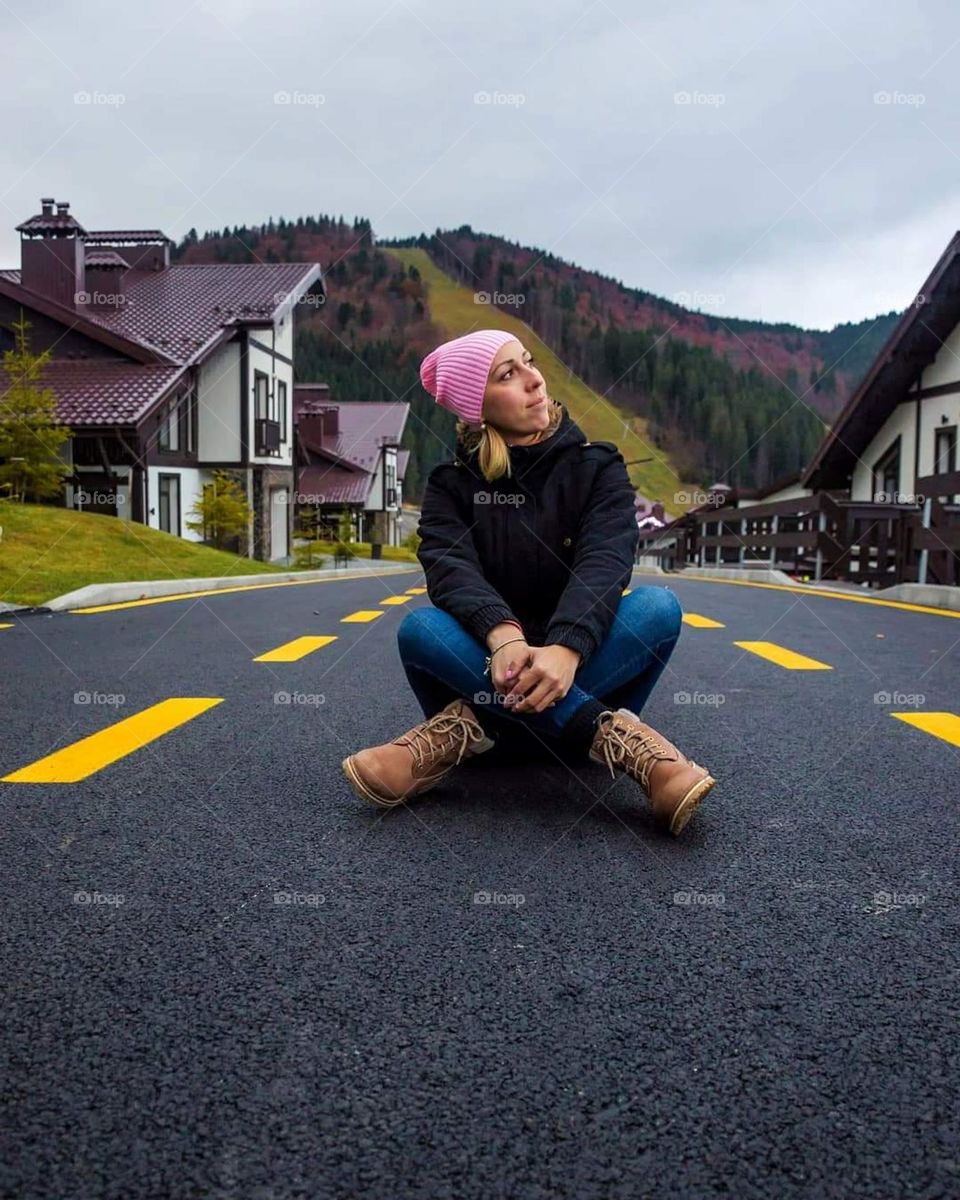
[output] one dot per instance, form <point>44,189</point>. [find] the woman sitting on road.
<point>528,541</point>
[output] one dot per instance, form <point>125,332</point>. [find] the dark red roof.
<point>363,427</point>
<point>127,235</point>
<point>106,392</point>
<point>333,485</point>
<point>180,309</point>
<point>104,258</point>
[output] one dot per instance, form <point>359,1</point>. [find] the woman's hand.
<point>505,666</point>
<point>545,681</point>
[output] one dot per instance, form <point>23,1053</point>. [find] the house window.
<point>168,434</point>
<point>261,388</point>
<point>169,502</point>
<point>886,475</point>
<point>282,407</point>
<point>945,450</point>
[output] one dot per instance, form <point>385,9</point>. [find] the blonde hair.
<point>494,456</point>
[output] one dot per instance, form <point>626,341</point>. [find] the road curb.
<point>148,589</point>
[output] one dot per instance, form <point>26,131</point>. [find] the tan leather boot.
<point>674,784</point>
<point>417,760</point>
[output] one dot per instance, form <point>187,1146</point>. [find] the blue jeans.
<point>443,661</point>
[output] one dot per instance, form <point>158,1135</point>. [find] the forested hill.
<point>719,395</point>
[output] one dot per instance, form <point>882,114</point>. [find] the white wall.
<point>901,421</point>
<point>192,480</point>
<point>218,418</point>
<point>279,339</point>
<point>793,492</point>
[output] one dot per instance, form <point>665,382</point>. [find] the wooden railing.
<point>821,537</point>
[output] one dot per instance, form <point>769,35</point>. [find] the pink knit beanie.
<point>456,372</point>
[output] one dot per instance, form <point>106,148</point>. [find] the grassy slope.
<point>452,308</point>
<point>45,552</point>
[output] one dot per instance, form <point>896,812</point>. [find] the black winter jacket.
<point>552,546</point>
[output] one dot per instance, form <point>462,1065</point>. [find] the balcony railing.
<point>266,436</point>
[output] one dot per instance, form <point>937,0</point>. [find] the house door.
<point>279,504</point>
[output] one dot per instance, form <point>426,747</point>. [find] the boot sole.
<point>364,792</point>
<point>690,803</point>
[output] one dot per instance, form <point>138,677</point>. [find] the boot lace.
<point>630,749</point>
<point>436,738</point>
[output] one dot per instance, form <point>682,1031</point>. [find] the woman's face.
<point>515,400</point>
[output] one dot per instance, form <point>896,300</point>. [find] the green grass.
<point>46,552</point>
<point>452,308</point>
<point>360,549</point>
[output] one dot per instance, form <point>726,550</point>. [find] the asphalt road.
<point>225,976</point>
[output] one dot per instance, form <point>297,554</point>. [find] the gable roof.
<point>182,312</point>
<point>912,345</point>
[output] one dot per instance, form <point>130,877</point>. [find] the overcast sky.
<point>795,160</point>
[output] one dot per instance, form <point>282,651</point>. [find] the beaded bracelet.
<point>489,659</point>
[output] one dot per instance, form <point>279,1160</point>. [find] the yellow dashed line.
<point>943,725</point>
<point>783,657</point>
<point>699,622</point>
<point>6,625</point>
<point>93,753</point>
<point>397,600</point>
<point>293,651</point>
<point>417,591</point>
<point>364,614</point>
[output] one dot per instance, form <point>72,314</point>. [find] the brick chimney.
<point>52,253</point>
<point>105,274</point>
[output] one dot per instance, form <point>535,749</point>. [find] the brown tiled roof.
<point>51,223</point>
<point>104,258</point>
<point>106,392</point>
<point>127,235</point>
<point>182,308</point>
<point>363,426</point>
<point>334,484</point>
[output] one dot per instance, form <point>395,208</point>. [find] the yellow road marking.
<point>944,725</point>
<point>77,761</point>
<point>364,614</point>
<point>246,587</point>
<point>293,651</point>
<point>417,591</point>
<point>699,622</point>
<point>397,600</point>
<point>626,591</point>
<point>6,625</point>
<point>783,657</point>
<point>806,589</point>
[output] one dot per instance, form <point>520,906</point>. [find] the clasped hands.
<point>531,678</point>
